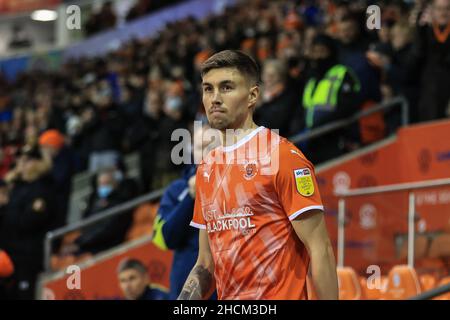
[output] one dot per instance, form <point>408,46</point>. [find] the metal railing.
<point>335,125</point>
<point>108,213</point>
<point>409,186</point>
<point>433,293</point>
<point>52,235</point>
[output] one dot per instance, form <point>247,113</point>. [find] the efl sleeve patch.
<point>304,182</point>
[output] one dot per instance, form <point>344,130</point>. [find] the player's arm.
<point>311,229</point>
<point>200,283</point>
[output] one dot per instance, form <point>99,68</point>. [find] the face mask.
<point>104,191</point>
<point>173,103</point>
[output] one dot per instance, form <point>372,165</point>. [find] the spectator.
<point>352,48</point>
<point>353,44</point>
<point>431,54</point>
<point>111,189</point>
<point>6,270</point>
<point>279,101</point>
<point>64,165</point>
<point>171,226</point>
<point>103,127</point>
<point>102,20</point>
<point>28,215</point>
<point>143,136</point>
<point>135,283</point>
<point>397,78</point>
<point>331,93</point>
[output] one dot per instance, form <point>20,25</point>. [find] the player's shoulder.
<point>291,153</point>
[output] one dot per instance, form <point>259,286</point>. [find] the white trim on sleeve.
<point>299,212</point>
<point>197,225</point>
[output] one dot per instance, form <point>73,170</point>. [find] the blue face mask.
<point>104,191</point>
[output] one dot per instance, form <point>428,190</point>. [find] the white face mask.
<point>173,103</point>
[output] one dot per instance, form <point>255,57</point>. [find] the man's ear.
<point>253,96</point>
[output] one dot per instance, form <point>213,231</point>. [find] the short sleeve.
<point>198,221</point>
<point>296,183</point>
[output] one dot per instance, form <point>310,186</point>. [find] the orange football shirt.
<point>246,195</point>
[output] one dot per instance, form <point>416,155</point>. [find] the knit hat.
<point>6,265</point>
<point>52,138</point>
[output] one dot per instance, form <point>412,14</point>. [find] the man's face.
<point>319,52</point>
<point>105,179</point>
<point>441,11</point>
<point>132,283</point>
<point>348,31</point>
<point>227,98</point>
<point>271,76</point>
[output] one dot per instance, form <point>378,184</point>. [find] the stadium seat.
<point>403,283</point>
<point>143,221</point>
<point>143,213</point>
<point>349,286</point>
<point>373,293</point>
<point>139,231</point>
<point>445,296</point>
<point>427,281</point>
<point>70,237</point>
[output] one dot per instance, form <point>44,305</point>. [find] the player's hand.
<point>191,184</point>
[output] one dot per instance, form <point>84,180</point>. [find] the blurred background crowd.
<point>93,111</point>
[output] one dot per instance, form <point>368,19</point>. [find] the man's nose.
<point>217,98</point>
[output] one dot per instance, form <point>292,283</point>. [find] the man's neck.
<point>235,135</point>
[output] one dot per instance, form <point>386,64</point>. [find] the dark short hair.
<point>131,264</point>
<point>244,63</point>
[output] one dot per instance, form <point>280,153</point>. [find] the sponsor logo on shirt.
<point>239,219</point>
<point>304,182</point>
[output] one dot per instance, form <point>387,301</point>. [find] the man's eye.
<point>207,89</point>
<point>227,88</point>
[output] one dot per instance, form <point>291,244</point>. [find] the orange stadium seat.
<point>373,293</point>
<point>349,286</point>
<point>403,283</point>
<point>427,281</point>
<point>139,231</point>
<point>144,213</point>
<point>143,219</point>
<point>70,237</point>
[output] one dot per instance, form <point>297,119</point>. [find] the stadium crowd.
<point>93,111</point>
<point>106,17</point>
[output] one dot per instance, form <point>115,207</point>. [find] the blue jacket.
<point>172,230</point>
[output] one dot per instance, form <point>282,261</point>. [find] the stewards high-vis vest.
<point>323,96</point>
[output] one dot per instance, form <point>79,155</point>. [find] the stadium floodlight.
<point>44,15</point>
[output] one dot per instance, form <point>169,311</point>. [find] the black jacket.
<point>278,113</point>
<point>110,231</point>
<point>105,131</point>
<point>26,219</point>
